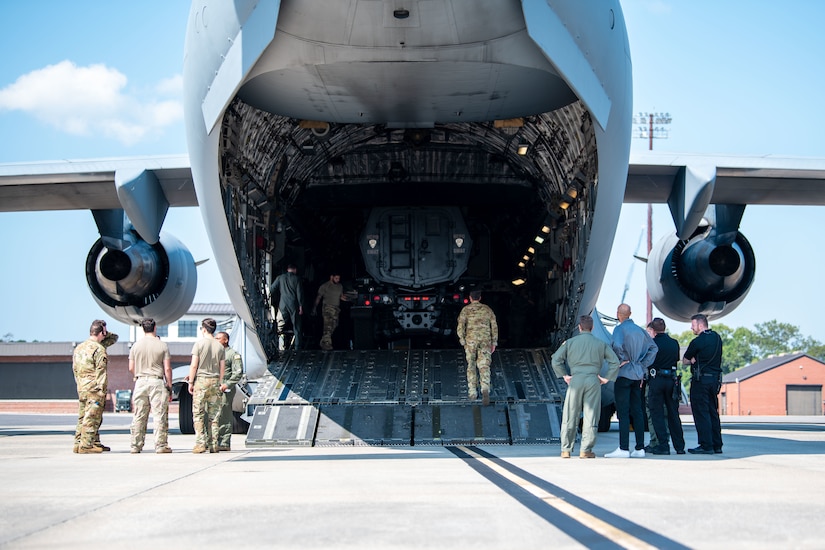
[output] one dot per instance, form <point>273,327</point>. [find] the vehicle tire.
<point>239,425</point>
<point>605,416</point>
<point>185,418</point>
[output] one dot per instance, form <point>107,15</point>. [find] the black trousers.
<point>659,398</point>
<point>628,395</point>
<point>705,405</point>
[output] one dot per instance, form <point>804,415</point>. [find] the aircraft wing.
<point>707,266</point>
<point>700,189</point>
<point>133,270</point>
<point>766,180</point>
<point>88,184</point>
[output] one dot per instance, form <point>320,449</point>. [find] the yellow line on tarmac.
<point>622,538</point>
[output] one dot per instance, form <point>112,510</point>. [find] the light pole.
<point>660,132</point>
<point>644,126</point>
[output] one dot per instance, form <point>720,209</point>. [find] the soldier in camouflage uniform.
<point>331,293</point>
<point>478,332</point>
<point>205,374</point>
<point>231,377</point>
<point>150,362</point>
<point>89,365</point>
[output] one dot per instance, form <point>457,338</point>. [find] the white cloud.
<point>93,100</point>
<point>171,86</point>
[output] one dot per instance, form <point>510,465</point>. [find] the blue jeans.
<point>629,405</point>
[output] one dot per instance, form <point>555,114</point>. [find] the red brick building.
<point>37,377</point>
<point>784,385</point>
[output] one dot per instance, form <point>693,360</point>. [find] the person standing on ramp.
<point>478,333</point>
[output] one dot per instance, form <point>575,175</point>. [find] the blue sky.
<point>738,77</point>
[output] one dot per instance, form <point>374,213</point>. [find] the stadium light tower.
<point>660,131</point>
<point>644,126</point>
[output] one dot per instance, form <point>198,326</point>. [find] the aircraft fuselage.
<point>304,116</point>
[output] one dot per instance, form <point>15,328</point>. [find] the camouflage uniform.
<point>331,294</point>
<point>150,355</point>
<point>478,333</point>
<point>206,396</point>
<point>331,315</point>
<point>89,365</point>
<point>232,375</point>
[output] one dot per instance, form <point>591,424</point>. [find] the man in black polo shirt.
<point>661,376</point>
<point>704,355</point>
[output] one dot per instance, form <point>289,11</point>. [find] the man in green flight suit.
<point>579,361</point>
<point>232,375</point>
<point>478,333</point>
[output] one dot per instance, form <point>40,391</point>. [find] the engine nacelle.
<point>133,279</point>
<point>705,274</point>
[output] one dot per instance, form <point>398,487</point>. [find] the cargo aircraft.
<point>419,149</point>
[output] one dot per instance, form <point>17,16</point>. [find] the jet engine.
<point>131,279</point>
<point>709,273</point>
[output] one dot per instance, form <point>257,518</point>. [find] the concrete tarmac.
<point>765,491</point>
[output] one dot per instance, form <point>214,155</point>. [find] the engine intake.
<point>133,279</point>
<point>705,274</point>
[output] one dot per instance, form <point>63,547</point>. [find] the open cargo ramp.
<point>403,397</point>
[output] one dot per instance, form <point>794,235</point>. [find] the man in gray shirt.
<point>636,351</point>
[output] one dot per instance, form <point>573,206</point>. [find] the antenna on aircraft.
<point>632,265</point>
<point>659,132</point>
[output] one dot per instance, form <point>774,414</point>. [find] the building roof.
<point>754,369</point>
<point>66,349</point>
<point>211,309</point>
<point>22,349</point>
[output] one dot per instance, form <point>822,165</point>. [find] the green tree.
<point>737,350</point>
<point>684,338</point>
<point>742,346</point>
<point>773,338</point>
<point>817,350</point>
